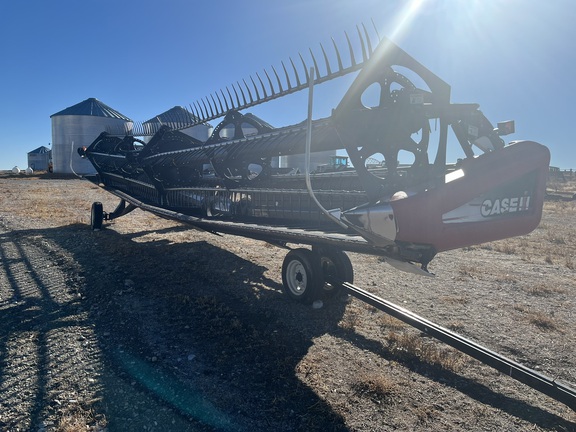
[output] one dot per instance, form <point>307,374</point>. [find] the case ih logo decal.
<point>481,208</point>
<point>501,206</point>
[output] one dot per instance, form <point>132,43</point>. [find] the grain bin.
<point>175,118</point>
<point>78,126</point>
<point>39,158</point>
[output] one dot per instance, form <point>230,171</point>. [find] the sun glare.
<point>406,17</point>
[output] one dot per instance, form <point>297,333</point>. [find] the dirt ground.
<point>150,325</point>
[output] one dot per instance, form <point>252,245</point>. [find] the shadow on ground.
<point>169,336</point>
<point>188,336</point>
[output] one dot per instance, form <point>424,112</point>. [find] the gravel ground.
<point>150,325</point>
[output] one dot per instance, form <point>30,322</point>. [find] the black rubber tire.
<point>335,263</point>
<point>302,279</point>
<point>96,216</point>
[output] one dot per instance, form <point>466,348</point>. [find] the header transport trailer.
<point>235,182</point>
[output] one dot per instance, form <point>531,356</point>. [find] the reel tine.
<point>364,55</point>
<point>273,92</point>
<point>368,42</point>
<point>205,108</point>
<point>298,84</point>
<point>215,107</point>
<point>235,93</point>
<point>328,69</point>
<point>186,118</point>
<point>198,112</point>
<point>249,92</point>
<point>225,100</point>
<point>255,89</point>
<point>305,69</point>
<point>242,91</point>
<point>220,102</point>
<point>352,57</point>
<point>340,64</point>
<point>278,79</point>
<point>287,77</point>
<point>315,64</point>
<point>204,113</point>
<point>262,84</point>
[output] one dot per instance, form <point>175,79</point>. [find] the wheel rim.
<point>296,277</point>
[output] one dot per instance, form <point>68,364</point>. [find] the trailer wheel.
<point>335,265</point>
<point>96,216</point>
<point>302,275</point>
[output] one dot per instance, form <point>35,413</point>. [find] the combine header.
<point>234,182</point>
<point>237,182</point>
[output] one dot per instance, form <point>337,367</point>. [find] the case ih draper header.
<point>407,213</point>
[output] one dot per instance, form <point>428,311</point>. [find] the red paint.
<point>487,175</point>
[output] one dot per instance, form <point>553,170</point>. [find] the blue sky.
<point>513,57</point>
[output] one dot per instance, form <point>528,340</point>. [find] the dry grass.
<point>507,278</point>
<point>467,271</point>
<point>81,420</point>
<point>351,319</point>
<point>507,247</point>
<point>409,344</point>
<point>539,319</point>
<point>454,300</point>
<point>456,326</point>
<point>46,204</point>
<point>376,385</point>
<point>389,322</point>
<point>543,290</point>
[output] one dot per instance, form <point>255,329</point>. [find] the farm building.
<point>40,158</point>
<point>78,126</point>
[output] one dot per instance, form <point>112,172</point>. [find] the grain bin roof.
<point>177,114</point>
<point>40,150</point>
<point>91,107</point>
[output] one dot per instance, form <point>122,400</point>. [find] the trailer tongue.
<point>556,389</point>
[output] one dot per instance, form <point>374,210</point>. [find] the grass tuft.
<point>376,385</point>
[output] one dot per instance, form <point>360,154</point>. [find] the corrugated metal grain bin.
<point>78,126</point>
<point>39,158</point>
<point>175,118</point>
